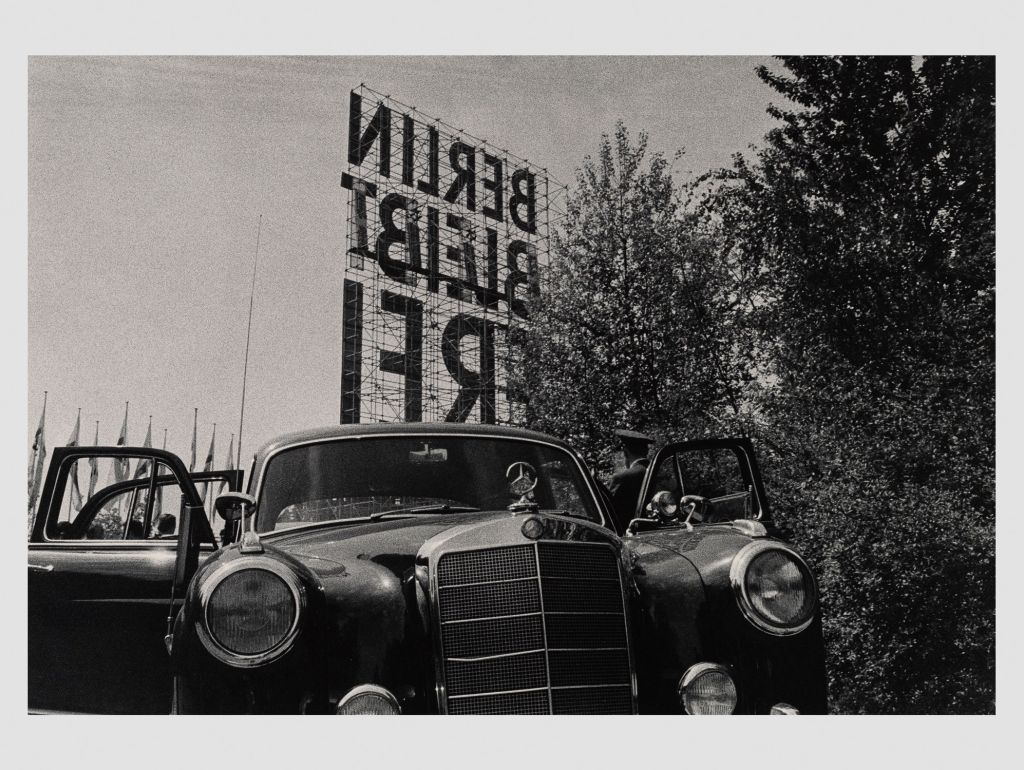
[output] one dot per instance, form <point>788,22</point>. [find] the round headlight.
<point>368,699</point>
<point>664,505</point>
<point>774,588</point>
<point>707,688</point>
<point>251,611</point>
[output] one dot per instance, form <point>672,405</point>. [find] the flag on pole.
<point>35,465</point>
<point>94,471</point>
<point>119,467</point>
<point>208,464</point>
<point>195,420</point>
<point>76,492</point>
<point>230,464</point>
<point>143,467</point>
<point>158,502</point>
<point>141,470</point>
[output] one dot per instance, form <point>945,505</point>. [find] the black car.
<point>419,568</point>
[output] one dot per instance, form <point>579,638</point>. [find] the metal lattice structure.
<point>447,237</point>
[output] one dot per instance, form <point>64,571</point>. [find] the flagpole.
<point>248,331</point>
<point>195,425</point>
<point>120,466</point>
<point>74,466</point>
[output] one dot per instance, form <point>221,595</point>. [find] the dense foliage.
<point>629,330</point>
<point>833,297</point>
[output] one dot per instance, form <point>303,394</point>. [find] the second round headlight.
<point>774,588</point>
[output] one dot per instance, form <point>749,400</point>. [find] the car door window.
<point>141,501</point>
<point>722,472</point>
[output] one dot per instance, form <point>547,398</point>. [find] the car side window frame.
<point>56,480</point>
<point>742,448</point>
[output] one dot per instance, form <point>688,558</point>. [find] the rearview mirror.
<point>232,506</point>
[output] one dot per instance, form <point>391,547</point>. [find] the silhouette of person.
<point>624,485</point>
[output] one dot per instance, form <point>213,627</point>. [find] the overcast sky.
<point>147,177</point>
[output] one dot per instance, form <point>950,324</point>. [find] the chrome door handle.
<point>40,567</point>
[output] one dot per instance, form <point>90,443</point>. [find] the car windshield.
<point>356,478</point>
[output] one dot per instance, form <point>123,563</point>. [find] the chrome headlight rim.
<point>737,577</point>
<point>695,672</point>
<point>254,660</point>
<point>369,689</point>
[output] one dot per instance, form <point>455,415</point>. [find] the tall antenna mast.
<point>248,331</point>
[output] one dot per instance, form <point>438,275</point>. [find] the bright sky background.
<point>146,178</point>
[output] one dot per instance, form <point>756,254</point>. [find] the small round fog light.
<point>707,688</point>
<point>369,699</point>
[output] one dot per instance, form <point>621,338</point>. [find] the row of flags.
<point>119,470</point>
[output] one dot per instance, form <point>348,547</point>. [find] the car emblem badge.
<point>522,478</point>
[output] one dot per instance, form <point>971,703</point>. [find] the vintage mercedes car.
<point>418,569</point>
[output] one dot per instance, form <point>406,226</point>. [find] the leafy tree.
<point>865,231</point>
<point>628,332</point>
<point>833,296</point>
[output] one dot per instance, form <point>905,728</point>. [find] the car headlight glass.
<point>707,688</point>
<point>251,610</point>
<point>774,588</point>
<point>369,699</point>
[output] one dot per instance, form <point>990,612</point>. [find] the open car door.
<point>101,568</point>
<point>712,479</point>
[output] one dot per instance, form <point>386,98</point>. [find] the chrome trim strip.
<point>488,582</point>
<point>583,578</point>
<point>437,653</point>
<point>544,629</point>
<point>737,577</point>
<point>588,686</point>
<point>498,692</point>
<point>489,617</point>
<point>573,612</point>
<point>587,479</point>
<point>498,656</point>
<point>539,689</point>
<point>60,712</point>
<point>206,589</point>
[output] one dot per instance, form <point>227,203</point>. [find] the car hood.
<point>330,549</point>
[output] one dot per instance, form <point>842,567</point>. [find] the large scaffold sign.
<point>447,240</point>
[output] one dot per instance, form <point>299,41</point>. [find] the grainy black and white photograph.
<point>654,385</point>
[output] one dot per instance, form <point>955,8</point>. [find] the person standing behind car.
<point>624,485</point>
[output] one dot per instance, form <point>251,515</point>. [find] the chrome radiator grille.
<point>537,628</point>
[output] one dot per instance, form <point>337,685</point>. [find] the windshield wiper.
<point>571,514</point>
<point>438,508</point>
<point>442,508</point>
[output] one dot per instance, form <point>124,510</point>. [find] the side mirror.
<point>233,506</point>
